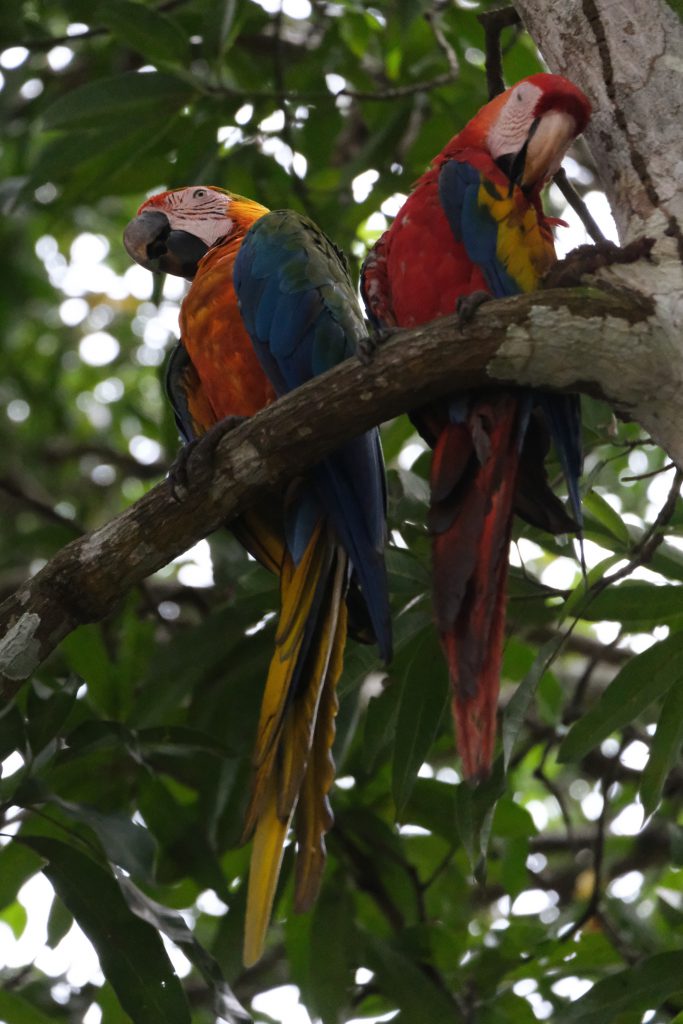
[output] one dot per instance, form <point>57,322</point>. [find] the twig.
<point>574,709</point>
<point>642,553</point>
<point>578,206</point>
<point>493,23</point>
<point>368,878</point>
<point>40,45</point>
<point>397,92</point>
<point>316,96</point>
<point>593,905</point>
<point>584,645</point>
<point>58,451</point>
<point>439,869</point>
<point>432,17</point>
<point>645,547</point>
<point>554,789</point>
<point>648,476</point>
<point>17,491</point>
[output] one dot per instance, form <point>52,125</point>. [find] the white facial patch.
<point>201,211</point>
<point>510,131</point>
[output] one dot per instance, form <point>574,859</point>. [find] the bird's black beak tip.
<point>149,240</point>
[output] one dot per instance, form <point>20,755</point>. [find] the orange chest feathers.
<point>217,342</point>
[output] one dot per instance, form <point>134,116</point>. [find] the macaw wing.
<point>464,191</point>
<point>258,529</point>
<point>510,249</point>
<point>193,414</point>
<point>301,312</point>
<point>296,299</point>
<point>374,286</point>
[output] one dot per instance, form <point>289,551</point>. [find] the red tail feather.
<point>470,518</point>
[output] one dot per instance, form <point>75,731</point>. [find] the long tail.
<point>473,481</point>
<point>292,760</point>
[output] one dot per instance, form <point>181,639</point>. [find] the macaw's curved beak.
<point>150,241</point>
<point>544,150</point>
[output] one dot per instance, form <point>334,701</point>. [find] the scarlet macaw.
<point>270,306</point>
<point>474,223</point>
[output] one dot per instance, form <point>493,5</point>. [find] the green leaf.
<point>519,703</point>
<point>475,806</point>
<point>88,657</point>
<point>601,510</point>
<point>640,987</point>
<point>640,682</point>
<point>14,1009</point>
<point>219,25</point>
<point>550,698</point>
<point>380,727</point>
<point>17,865</point>
<point>15,916</point>
<point>47,714</point>
<point>111,1007</point>
<point>637,604</point>
<point>433,806</point>
<point>131,953</point>
<point>424,696</point>
<point>129,845</point>
<point>418,997</point>
<point>58,923</point>
<point>512,821</point>
<point>573,606</point>
<point>142,28</point>
<point>226,1006</point>
<point>118,97</point>
<point>664,748</point>
<point>12,731</point>
<point>331,976</point>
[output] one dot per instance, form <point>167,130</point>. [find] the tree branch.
<point>634,134</point>
<point>518,340</point>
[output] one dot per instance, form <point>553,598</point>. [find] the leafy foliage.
<point>131,745</point>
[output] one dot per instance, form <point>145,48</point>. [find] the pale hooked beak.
<point>547,146</point>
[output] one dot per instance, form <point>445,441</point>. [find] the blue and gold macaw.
<point>271,306</point>
<point>474,224</point>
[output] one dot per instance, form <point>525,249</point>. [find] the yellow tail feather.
<point>298,589</point>
<point>259,530</point>
<point>314,815</point>
<point>294,730</point>
<point>266,858</point>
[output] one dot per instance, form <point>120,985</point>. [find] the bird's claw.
<point>366,348</point>
<point>197,456</point>
<point>467,305</point>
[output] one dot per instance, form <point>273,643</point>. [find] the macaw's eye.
<point>199,193</point>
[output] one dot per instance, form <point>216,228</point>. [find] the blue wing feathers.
<point>474,225</point>
<point>179,365</point>
<point>563,416</point>
<point>301,313</point>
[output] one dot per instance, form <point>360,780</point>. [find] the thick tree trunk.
<point>627,57</point>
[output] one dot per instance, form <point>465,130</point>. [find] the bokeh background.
<point>125,759</point>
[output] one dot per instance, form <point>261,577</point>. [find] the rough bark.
<point>514,340</point>
<point>627,58</point>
